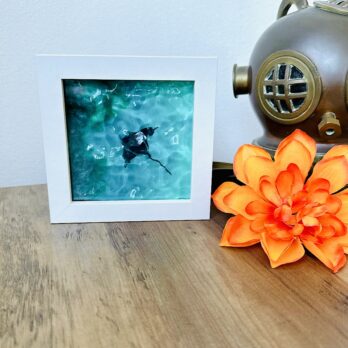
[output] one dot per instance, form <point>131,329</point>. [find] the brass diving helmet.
<point>297,76</point>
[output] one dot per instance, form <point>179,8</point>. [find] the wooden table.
<point>154,285</point>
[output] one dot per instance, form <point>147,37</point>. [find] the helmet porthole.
<point>289,87</point>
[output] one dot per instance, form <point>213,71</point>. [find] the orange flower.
<point>282,210</point>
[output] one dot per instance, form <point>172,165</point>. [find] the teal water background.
<point>100,112</point>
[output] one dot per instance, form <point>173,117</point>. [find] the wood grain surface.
<point>154,285</point>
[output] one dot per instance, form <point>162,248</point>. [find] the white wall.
<point>224,28</point>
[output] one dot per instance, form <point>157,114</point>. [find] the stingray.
<point>136,144</point>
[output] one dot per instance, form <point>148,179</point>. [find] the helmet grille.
<point>285,88</point>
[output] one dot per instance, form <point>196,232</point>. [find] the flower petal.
<point>284,183</point>
<point>291,253</point>
<point>333,204</point>
<point>328,220</point>
<point>299,201</point>
<point>343,241</point>
<point>294,152</point>
<point>342,214</point>
<point>221,192</point>
<point>297,229</point>
<point>258,167</point>
<point>298,181</point>
<point>318,197</point>
<point>269,191</point>
<point>237,233</point>
<point>238,199</point>
<point>326,232</point>
<point>338,150</point>
<point>258,225</point>
<point>289,182</point>
<point>274,248</point>
<point>284,214</point>
<point>317,184</point>
<point>334,170</point>
<point>311,210</point>
<point>311,234</point>
<point>279,231</point>
<point>308,142</point>
<point>310,221</point>
<point>242,155</point>
<point>259,207</point>
<point>330,253</point>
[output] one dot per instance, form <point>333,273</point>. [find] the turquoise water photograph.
<point>129,140</point>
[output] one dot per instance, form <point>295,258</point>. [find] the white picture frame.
<point>53,69</point>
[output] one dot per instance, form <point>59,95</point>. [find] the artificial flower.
<point>284,209</point>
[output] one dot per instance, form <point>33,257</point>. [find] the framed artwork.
<point>127,138</point>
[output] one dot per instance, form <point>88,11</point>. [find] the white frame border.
<point>53,69</point>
